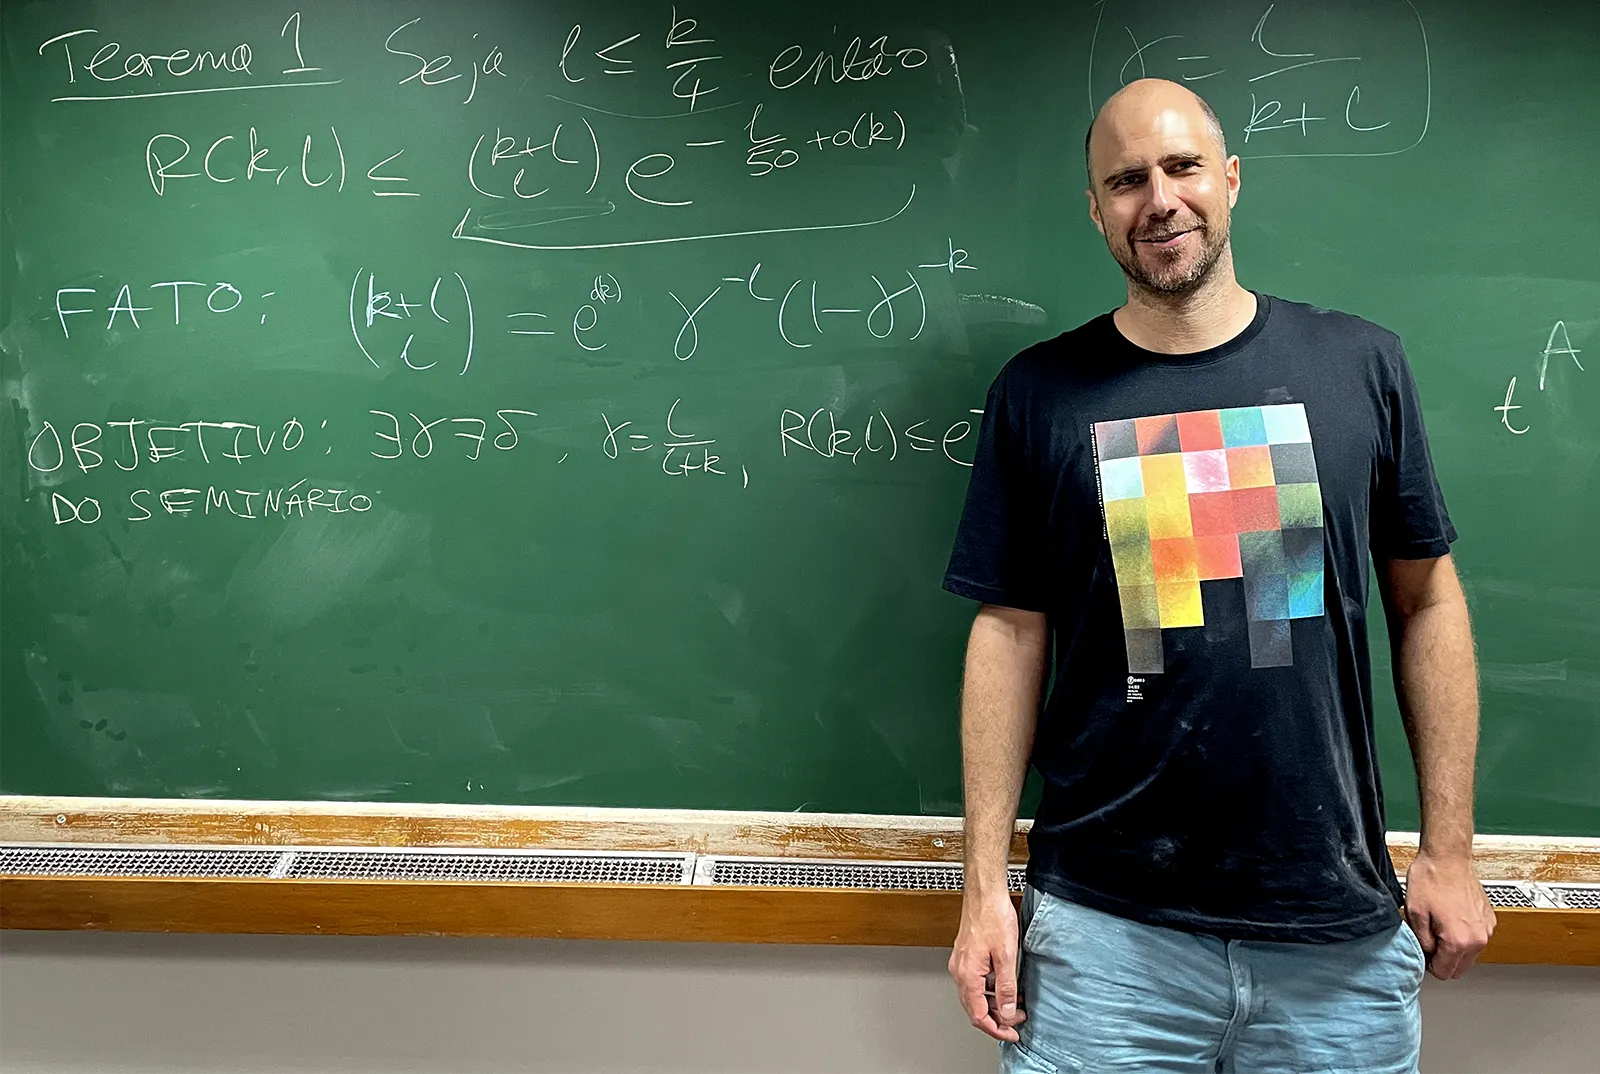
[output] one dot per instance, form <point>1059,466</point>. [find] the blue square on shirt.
<point>1286,424</point>
<point>1305,595</point>
<point>1122,479</point>
<point>1267,596</point>
<point>1243,427</point>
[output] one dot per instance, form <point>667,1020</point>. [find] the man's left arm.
<point>1436,680</point>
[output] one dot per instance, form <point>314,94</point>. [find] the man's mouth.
<point>1167,241</point>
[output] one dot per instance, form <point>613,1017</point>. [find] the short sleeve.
<point>1409,520</point>
<point>999,547</point>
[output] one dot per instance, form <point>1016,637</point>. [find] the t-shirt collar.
<point>1137,355</point>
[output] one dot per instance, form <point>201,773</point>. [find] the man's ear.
<point>1231,172</point>
<point>1094,212</point>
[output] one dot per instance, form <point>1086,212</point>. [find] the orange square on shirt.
<point>1218,557</point>
<point>1175,560</point>
<point>1249,467</point>
<point>1157,435</point>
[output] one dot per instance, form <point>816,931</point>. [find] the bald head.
<point>1144,107</point>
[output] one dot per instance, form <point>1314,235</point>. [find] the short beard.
<point>1199,271</point>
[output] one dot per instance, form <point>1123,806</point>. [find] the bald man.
<point>1170,515</point>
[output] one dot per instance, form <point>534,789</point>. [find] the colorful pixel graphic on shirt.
<point>1205,495</point>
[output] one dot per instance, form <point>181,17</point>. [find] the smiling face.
<point>1161,186</point>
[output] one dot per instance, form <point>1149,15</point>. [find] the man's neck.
<point>1198,320</point>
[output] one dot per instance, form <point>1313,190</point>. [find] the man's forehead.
<point>1128,138</point>
<point>1127,126</point>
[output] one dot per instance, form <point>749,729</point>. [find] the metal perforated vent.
<point>503,867</point>
<point>571,867</point>
<point>836,875</point>
<point>866,875</point>
<point>1576,896</point>
<point>136,861</point>
<point>1509,893</point>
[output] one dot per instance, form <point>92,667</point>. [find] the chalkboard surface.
<point>571,403</point>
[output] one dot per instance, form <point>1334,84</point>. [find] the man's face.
<point>1161,195</point>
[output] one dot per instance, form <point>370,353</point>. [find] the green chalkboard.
<point>569,404</point>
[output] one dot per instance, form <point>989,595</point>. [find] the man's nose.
<point>1163,200</point>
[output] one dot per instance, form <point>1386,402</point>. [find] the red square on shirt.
<point>1211,514</point>
<point>1255,509</point>
<point>1200,430</point>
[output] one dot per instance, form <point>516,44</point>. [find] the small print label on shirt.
<point>1135,689</point>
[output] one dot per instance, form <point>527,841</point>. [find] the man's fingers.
<point>975,1000</point>
<point>998,1032</point>
<point>1014,1021</point>
<point>982,1016</point>
<point>1446,961</point>
<point>1454,958</point>
<point>1420,924</point>
<point>1468,960</point>
<point>1005,988</point>
<point>976,1005</point>
<point>1459,949</point>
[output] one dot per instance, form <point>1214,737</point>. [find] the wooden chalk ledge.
<point>340,869</point>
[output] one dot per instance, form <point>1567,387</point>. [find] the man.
<point>1171,510</point>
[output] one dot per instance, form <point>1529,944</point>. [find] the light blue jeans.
<point>1103,993</point>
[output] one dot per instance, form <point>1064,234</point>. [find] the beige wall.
<point>85,1001</point>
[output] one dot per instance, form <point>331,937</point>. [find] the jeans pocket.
<point>1018,1060</point>
<point>1041,907</point>
<point>1414,945</point>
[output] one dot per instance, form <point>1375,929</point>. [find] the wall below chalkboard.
<point>338,1004</point>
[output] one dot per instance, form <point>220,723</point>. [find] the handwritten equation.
<point>435,323</point>
<point>574,161</point>
<point>1289,80</point>
<point>437,326</point>
<point>677,441</point>
<point>681,452</point>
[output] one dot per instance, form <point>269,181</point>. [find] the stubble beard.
<point>1168,284</point>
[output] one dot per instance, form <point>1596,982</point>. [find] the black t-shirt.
<point>1197,529</point>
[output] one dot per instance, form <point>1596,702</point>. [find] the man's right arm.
<point>1005,669</point>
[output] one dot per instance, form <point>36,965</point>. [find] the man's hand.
<point>984,964</point>
<point>1448,910</point>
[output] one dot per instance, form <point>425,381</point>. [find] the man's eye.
<point>1126,180</point>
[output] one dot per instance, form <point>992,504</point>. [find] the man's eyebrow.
<point>1169,158</point>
